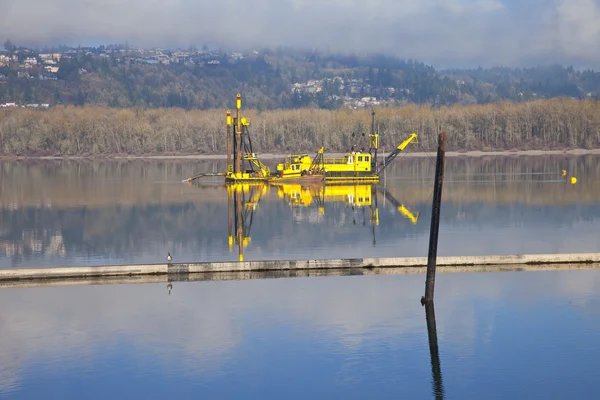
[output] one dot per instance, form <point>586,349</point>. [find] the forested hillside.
<point>270,79</point>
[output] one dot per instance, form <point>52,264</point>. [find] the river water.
<point>63,213</point>
<point>508,335</point>
<point>492,335</point>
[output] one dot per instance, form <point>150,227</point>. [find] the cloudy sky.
<point>446,33</point>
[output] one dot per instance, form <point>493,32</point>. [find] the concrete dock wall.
<point>290,265</point>
<point>247,275</point>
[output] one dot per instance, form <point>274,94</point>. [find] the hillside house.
<point>52,69</point>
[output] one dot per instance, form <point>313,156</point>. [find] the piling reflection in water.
<point>436,370</point>
<point>357,196</point>
<point>242,202</point>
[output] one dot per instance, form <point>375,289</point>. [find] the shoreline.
<point>270,156</point>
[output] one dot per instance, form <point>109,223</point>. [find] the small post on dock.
<point>435,220</point>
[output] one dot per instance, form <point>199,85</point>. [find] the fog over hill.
<point>447,34</point>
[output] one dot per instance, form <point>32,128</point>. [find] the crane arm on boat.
<point>411,139</point>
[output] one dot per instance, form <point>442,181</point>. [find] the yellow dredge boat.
<point>353,166</point>
<point>300,180</point>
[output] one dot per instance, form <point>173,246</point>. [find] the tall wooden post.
<point>436,370</point>
<point>229,149</point>
<point>435,219</point>
<point>238,135</point>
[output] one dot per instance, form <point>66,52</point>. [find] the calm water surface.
<point>61,213</point>
<point>510,335</point>
<point>500,335</point>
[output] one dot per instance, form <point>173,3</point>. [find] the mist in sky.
<point>445,33</point>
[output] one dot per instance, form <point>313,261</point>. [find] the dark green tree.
<point>9,46</point>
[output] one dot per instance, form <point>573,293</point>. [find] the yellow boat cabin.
<point>353,166</point>
<point>350,164</point>
<point>294,165</point>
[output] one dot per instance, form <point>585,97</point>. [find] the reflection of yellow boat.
<point>242,202</point>
<point>305,195</point>
<point>412,217</point>
<point>357,195</point>
<point>297,194</point>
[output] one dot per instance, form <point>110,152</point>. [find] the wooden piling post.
<point>435,219</point>
<point>229,142</point>
<point>238,136</point>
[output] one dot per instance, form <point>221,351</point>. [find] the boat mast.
<point>373,143</point>
<point>229,147</point>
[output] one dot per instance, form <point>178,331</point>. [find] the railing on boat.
<point>335,160</point>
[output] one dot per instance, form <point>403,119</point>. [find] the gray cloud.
<point>446,33</point>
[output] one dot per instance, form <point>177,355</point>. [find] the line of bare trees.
<point>96,131</point>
